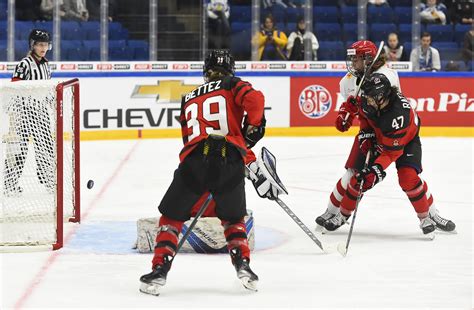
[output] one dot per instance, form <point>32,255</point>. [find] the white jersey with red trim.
<point>348,83</point>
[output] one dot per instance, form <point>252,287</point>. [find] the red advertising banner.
<point>443,101</point>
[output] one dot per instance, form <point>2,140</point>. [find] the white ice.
<point>390,264</point>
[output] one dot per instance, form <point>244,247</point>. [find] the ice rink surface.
<point>390,263</point>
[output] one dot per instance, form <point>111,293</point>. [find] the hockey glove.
<point>263,186</point>
<point>368,142</point>
<point>371,176</point>
<point>252,134</point>
<point>346,114</point>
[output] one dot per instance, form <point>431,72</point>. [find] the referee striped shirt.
<point>30,68</point>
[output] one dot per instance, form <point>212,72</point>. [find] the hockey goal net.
<point>40,163</point>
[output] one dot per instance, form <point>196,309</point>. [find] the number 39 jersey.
<point>394,128</point>
<point>218,107</point>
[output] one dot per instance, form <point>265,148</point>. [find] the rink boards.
<point>141,105</point>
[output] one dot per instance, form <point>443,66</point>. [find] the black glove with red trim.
<point>371,176</point>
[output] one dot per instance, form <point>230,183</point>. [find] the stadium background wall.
<point>143,104</point>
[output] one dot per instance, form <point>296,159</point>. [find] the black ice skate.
<point>442,223</point>
<point>244,273</point>
<point>151,283</point>
<point>335,222</point>
<point>428,226</point>
<point>324,217</point>
<point>320,220</point>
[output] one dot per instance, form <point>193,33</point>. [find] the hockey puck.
<point>90,184</point>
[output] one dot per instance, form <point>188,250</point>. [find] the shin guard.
<point>236,237</point>
<point>166,239</point>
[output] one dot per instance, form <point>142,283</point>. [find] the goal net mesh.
<point>29,161</point>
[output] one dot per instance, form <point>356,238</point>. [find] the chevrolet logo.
<point>169,91</point>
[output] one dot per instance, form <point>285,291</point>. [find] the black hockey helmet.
<point>39,35</point>
<point>377,86</point>
<point>219,60</point>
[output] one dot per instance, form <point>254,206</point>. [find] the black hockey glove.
<point>252,134</point>
<point>263,186</point>
<point>368,142</point>
<point>371,176</point>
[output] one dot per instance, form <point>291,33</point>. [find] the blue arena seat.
<point>404,33</point>
<point>349,33</point>
<point>117,44</point>
<point>124,53</point>
<point>292,14</point>
<point>23,29</point>
<point>331,50</point>
<point>3,33</point>
<point>3,50</point>
<point>439,44</point>
<point>459,32</point>
<point>326,14</point>
<point>77,54</point>
<point>240,43</point>
<point>380,32</point>
<point>441,32</point>
<point>449,53</point>
<point>328,31</point>
<point>141,53</point>
<point>380,15</point>
<point>240,14</point>
<point>240,26</point>
<point>48,26</point>
<point>349,14</point>
<point>404,14</point>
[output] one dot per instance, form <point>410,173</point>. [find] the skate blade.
<point>431,236</point>
<point>249,284</point>
<point>452,232</point>
<point>320,229</point>
<point>150,288</point>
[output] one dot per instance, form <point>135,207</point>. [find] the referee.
<point>32,119</point>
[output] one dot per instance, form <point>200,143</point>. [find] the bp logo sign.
<point>315,101</point>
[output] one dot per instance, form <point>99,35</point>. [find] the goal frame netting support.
<point>76,218</point>
<point>59,135</point>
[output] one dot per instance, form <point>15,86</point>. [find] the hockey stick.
<point>267,164</point>
<point>379,51</point>
<point>300,224</point>
<point>193,223</point>
<point>341,247</point>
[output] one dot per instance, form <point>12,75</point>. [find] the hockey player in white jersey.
<point>360,55</point>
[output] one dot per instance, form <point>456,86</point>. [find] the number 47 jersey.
<point>218,107</point>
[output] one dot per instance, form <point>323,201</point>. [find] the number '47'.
<point>397,122</point>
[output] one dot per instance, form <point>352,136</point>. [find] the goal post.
<point>40,163</point>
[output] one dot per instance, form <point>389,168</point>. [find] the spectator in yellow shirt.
<point>271,42</point>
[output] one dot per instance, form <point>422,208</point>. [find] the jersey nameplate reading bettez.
<point>203,89</point>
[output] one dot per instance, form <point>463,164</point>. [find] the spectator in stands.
<point>295,46</point>
<point>27,9</point>
<point>218,20</point>
<point>433,13</point>
<point>452,66</point>
<point>463,12</point>
<point>93,7</point>
<point>47,8</point>
<point>270,41</point>
<point>394,50</point>
<point>425,57</point>
<point>378,3</point>
<point>468,46</point>
<point>76,10</point>
<point>281,3</point>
